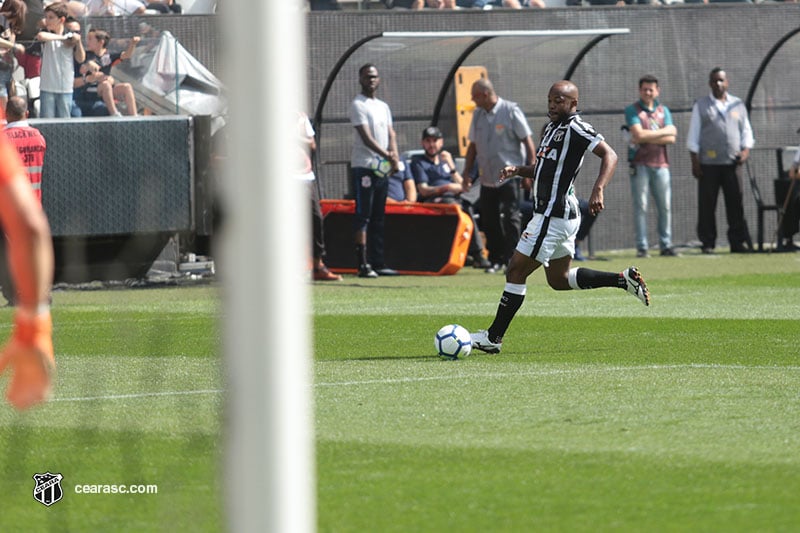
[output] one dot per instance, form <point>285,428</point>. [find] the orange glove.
<point>30,354</point>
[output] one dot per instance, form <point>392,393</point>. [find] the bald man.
<point>499,135</point>
<point>28,141</point>
<point>549,238</point>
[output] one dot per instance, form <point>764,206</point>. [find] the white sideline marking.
<point>553,372</point>
<point>138,395</point>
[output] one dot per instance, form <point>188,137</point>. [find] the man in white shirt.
<point>114,7</point>
<point>719,141</point>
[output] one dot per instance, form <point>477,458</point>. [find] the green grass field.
<point>599,415</point>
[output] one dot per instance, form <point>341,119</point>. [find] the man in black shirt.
<point>549,238</point>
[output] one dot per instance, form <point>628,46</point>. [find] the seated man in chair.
<point>439,181</point>
<point>790,222</point>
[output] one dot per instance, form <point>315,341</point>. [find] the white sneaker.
<point>635,285</point>
<point>480,340</point>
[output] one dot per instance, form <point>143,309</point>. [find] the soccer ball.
<point>452,341</point>
<point>381,166</point>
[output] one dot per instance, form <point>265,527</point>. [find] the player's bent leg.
<point>629,279</point>
<point>557,273</point>
<point>520,267</point>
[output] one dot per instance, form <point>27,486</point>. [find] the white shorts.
<point>549,238</point>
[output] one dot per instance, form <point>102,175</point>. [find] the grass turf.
<point>600,414</point>
<point>138,400</point>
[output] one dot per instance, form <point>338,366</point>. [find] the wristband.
<point>28,327</point>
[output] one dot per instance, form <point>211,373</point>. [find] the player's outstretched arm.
<point>29,353</point>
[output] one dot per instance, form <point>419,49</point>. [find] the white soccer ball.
<point>381,166</point>
<point>453,341</point>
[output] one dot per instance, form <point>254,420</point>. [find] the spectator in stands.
<point>28,141</point>
<point>324,5</point>
<point>29,58</point>
<point>308,145</point>
<point>115,7</point>
<point>97,70</point>
<point>719,141</point>
<point>75,8</point>
<point>58,73</point>
<point>401,187</point>
<point>651,129</point>
<point>25,20</point>
<point>85,100</point>
<point>438,181</point>
<point>166,7</point>
<point>489,4</point>
<point>14,11</point>
<point>413,4</point>
<point>6,65</point>
<point>791,215</point>
<point>499,136</point>
<point>373,159</point>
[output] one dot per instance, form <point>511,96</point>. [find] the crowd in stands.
<point>115,8</point>
<point>45,57</point>
<point>335,5</point>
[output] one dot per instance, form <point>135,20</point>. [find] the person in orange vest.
<point>28,141</point>
<point>28,354</point>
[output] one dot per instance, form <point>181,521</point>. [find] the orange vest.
<point>31,146</point>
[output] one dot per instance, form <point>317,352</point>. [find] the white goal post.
<point>268,430</point>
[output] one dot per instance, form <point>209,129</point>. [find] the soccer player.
<point>29,352</point>
<point>549,238</point>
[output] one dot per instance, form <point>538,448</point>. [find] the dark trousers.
<point>500,220</point>
<point>370,195</point>
<point>587,220</point>
<point>729,179</point>
<point>317,238</point>
<point>791,217</point>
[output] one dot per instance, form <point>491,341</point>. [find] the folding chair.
<point>761,206</point>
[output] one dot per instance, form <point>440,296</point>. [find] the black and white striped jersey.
<point>558,162</point>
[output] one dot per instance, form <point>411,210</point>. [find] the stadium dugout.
<point>671,43</point>
<point>433,94</point>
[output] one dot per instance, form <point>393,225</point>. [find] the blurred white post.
<point>269,466</point>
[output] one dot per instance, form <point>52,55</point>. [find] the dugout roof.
<point>426,62</point>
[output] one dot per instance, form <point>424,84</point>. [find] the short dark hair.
<point>648,78</point>
<point>59,10</point>
<point>365,67</point>
<point>16,107</point>
<point>101,35</point>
